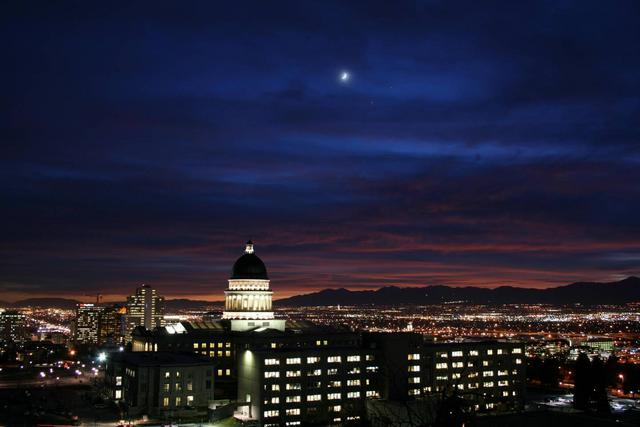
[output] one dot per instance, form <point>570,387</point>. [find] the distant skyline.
<point>359,145</point>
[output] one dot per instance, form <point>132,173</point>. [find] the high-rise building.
<point>145,308</point>
<point>12,326</point>
<point>112,325</point>
<point>86,324</point>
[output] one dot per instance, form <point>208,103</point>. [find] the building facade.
<point>12,326</point>
<point>145,308</point>
<point>86,324</point>
<point>160,383</point>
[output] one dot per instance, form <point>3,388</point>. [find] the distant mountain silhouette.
<point>189,304</point>
<point>588,293</point>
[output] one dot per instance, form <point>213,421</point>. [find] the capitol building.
<point>272,371</point>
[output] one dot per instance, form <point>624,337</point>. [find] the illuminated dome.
<point>249,266</point>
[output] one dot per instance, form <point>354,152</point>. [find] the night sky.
<point>474,143</point>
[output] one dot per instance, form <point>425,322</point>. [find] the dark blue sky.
<point>481,143</point>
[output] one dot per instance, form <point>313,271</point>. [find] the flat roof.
<point>161,358</point>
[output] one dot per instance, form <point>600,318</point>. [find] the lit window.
<point>518,361</point>
<point>271,362</point>
<point>335,408</point>
<point>118,394</point>
<point>221,372</point>
<point>414,368</point>
<point>189,400</point>
<point>457,364</point>
<point>293,373</point>
<point>485,363</point>
<point>473,352</point>
<point>517,351</point>
<point>166,387</point>
<point>414,380</point>
<point>332,371</point>
<point>442,355</point>
<point>353,395</point>
<point>313,398</point>
<point>275,387</point>
<point>196,345</point>
<point>167,374</point>
<point>442,365</point>
<point>334,396</point>
<point>314,373</point>
<point>314,359</point>
<point>293,411</point>
<point>488,384</point>
<point>293,361</point>
<point>353,382</point>
<point>489,352</point>
<point>165,402</point>
<point>178,401</point>
<point>503,383</point>
<point>118,381</point>
<point>499,351</point>
<point>415,356</point>
<point>455,375</point>
<point>353,358</point>
<point>293,386</point>
<point>456,354</point>
<point>228,372</point>
<point>293,399</point>
<point>334,359</point>
<point>487,373</point>
<point>272,413</point>
<point>271,374</point>
<point>372,393</point>
<point>275,400</point>
<point>503,373</point>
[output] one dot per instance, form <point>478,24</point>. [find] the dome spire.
<point>249,248</point>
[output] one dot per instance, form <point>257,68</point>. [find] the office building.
<point>12,326</point>
<point>86,324</point>
<point>144,308</point>
<point>167,384</point>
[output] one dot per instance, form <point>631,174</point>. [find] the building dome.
<point>249,266</point>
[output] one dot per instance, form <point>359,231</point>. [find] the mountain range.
<point>588,293</point>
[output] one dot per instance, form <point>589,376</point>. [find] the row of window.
<point>318,372</point>
<point>296,411</point>
<point>166,401</point>
<point>316,359</point>
<point>220,353</point>
<point>488,352</point>
<point>211,345</point>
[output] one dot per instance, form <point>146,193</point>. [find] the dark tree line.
<point>591,380</point>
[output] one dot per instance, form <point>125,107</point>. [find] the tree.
<point>583,384</point>
<point>599,386</point>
